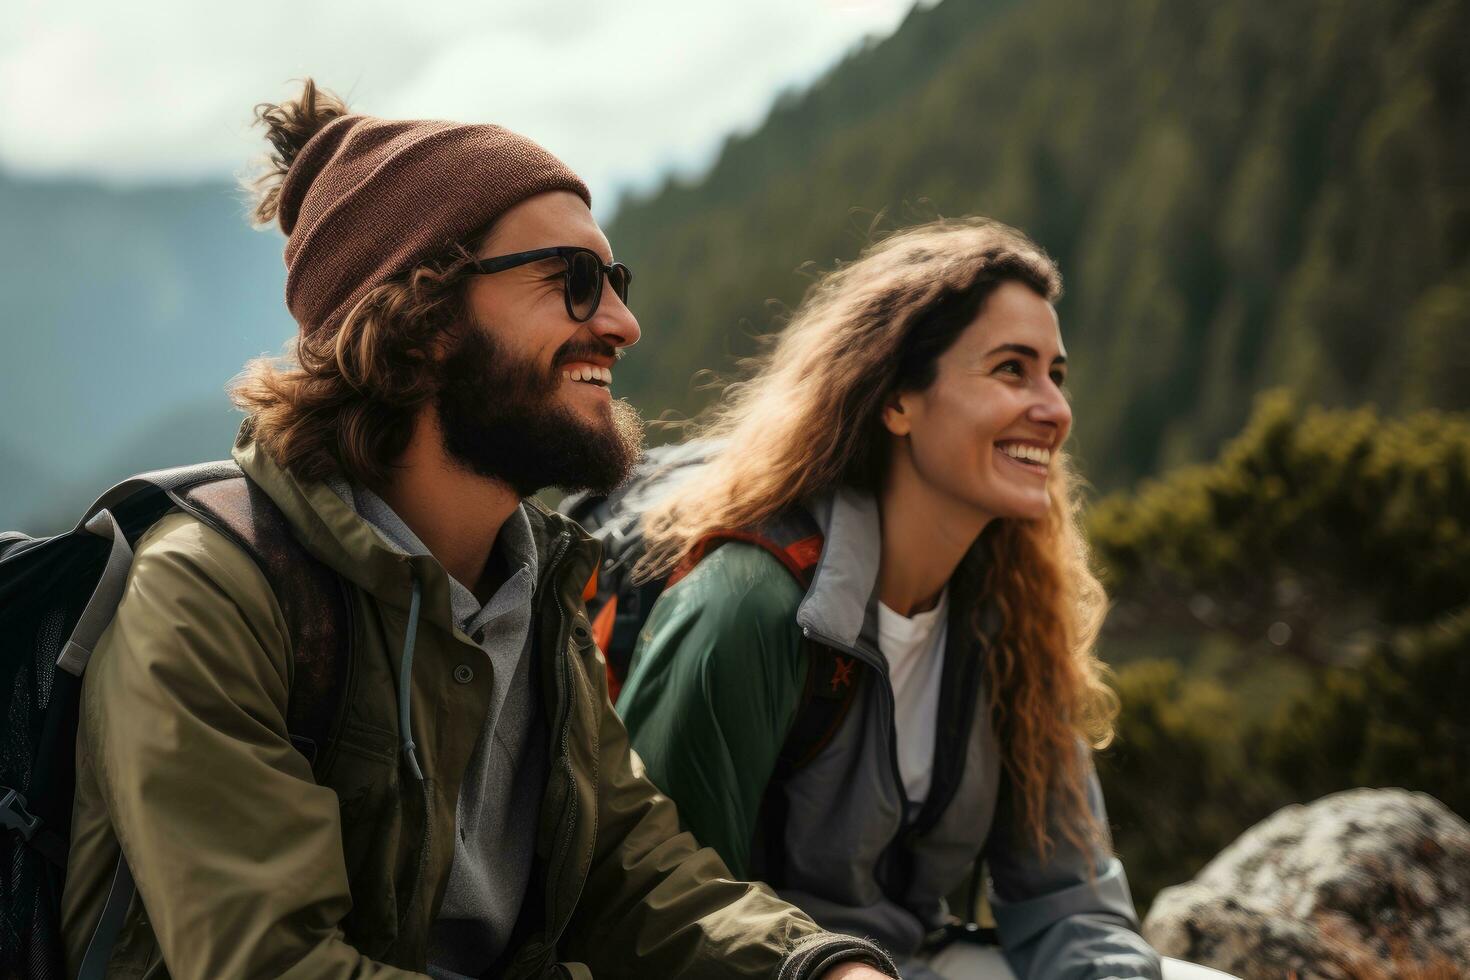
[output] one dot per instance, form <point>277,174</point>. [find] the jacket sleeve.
<point>1054,919</point>
<point>236,851</point>
<point>712,690</point>
<point>657,904</point>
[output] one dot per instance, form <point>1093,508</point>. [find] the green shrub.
<point>1290,621</point>
<point>1191,769</point>
<point>1401,719</point>
<point>1178,778</point>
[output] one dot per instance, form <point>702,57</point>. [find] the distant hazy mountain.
<point>190,433</point>
<point>119,307</point>
<point>24,483</point>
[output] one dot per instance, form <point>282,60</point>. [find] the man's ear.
<point>443,343</point>
<point>897,415</point>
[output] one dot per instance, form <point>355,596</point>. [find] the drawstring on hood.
<point>405,728</point>
<point>405,682</point>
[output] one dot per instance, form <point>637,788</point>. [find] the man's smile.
<point>588,374</point>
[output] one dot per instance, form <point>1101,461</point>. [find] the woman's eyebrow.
<point>1025,351</point>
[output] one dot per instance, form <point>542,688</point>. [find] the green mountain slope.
<point>1240,195</point>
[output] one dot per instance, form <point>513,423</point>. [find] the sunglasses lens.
<point>621,279</point>
<point>583,274</point>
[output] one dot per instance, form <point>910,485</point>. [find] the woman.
<point>912,418</point>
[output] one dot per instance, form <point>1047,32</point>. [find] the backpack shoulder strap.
<point>312,597</point>
<point>313,600</point>
<point>793,539</point>
<point>832,682</point>
<point>832,679</point>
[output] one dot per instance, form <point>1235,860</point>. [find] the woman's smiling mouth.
<point>1025,456</point>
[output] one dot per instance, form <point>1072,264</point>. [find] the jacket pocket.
<point>366,779</point>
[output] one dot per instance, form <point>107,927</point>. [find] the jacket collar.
<point>842,602</point>
<point>837,605</point>
<point>341,539</point>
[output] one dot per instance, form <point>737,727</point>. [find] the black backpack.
<point>620,606</point>
<point>57,596</point>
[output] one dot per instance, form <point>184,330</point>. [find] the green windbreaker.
<point>714,686</point>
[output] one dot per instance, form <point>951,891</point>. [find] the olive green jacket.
<point>249,864</point>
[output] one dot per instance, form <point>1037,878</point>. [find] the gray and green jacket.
<point>712,691</point>
<point>250,863</point>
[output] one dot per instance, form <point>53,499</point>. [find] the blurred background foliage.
<point>1245,197</point>
<point>1240,195</point>
<point>1290,620</point>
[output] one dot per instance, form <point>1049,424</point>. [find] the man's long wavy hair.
<point>344,401</point>
<point>809,420</point>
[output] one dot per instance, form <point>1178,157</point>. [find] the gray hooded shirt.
<point>500,797</point>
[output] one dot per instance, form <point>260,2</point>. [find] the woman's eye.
<point>1059,379</point>
<point>1012,367</point>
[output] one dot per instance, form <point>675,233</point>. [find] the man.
<point>478,811</point>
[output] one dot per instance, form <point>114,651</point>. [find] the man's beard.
<point>501,419</point>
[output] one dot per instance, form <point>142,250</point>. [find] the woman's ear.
<point>897,415</point>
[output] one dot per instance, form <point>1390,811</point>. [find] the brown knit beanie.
<point>367,199</point>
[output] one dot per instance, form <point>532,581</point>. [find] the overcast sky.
<point>160,90</point>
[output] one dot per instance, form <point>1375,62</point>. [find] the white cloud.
<point>163,90</point>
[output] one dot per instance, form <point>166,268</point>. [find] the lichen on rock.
<point>1361,884</point>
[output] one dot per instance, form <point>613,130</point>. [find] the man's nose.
<point>614,323</point>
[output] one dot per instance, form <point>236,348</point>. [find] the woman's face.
<point>983,435</point>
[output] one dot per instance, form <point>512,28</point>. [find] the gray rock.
<point>1366,883</point>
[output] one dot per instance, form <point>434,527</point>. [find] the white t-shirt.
<point>914,649</point>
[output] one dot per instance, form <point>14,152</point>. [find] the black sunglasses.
<point>582,288</point>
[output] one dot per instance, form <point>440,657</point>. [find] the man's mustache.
<point>581,350</point>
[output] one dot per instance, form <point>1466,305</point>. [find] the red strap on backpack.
<point>800,557</point>
<point>832,678</point>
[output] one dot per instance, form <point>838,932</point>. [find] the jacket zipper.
<point>329,757</point>
<point>564,725</point>
<point>966,678</point>
<point>927,817</point>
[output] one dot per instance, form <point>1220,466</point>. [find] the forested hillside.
<point>1240,195</point>
<point>1243,195</point>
